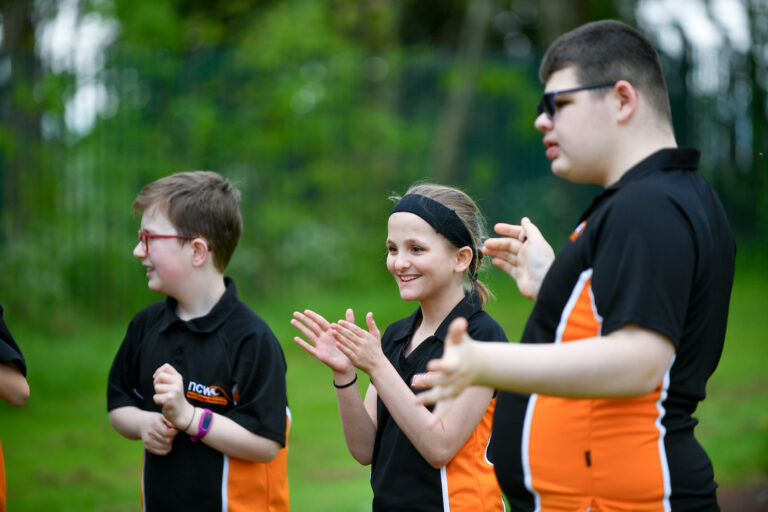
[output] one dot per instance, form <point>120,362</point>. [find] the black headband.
<point>443,219</point>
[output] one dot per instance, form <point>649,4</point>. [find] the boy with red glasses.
<point>200,378</point>
<point>629,317</point>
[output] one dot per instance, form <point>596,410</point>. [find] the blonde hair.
<point>473,220</point>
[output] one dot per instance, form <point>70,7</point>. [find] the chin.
<point>409,296</point>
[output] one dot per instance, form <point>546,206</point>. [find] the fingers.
<point>350,316</point>
<point>172,431</point>
<point>348,330</point>
<point>305,330</point>
<point>158,435</point>
<point>530,229</point>
<point>309,327</point>
<point>457,331</point>
<point>165,371</point>
<point>422,380</point>
<point>505,265</point>
<point>318,319</point>
<point>306,346</point>
<point>372,325</point>
<point>508,230</point>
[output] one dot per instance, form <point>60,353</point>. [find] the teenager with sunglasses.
<point>629,317</point>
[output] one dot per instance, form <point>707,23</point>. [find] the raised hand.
<point>523,253</point>
<point>362,347</point>
<point>169,394</point>
<point>322,343</point>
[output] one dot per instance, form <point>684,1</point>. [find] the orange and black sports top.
<point>402,480</point>
<point>9,354</point>
<point>233,365</point>
<point>655,250</point>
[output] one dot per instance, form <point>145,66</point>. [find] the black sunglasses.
<point>547,103</point>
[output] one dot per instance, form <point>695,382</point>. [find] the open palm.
<point>322,343</point>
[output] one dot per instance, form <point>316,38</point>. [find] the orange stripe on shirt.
<point>470,478</point>
<point>220,400</point>
<point>258,486</point>
<point>584,451</point>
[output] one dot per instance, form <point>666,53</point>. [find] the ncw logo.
<point>207,394</point>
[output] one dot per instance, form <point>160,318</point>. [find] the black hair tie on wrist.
<point>344,385</point>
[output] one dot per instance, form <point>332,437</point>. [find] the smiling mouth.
<point>407,279</point>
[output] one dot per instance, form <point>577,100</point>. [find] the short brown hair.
<point>198,204</point>
<point>608,51</point>
<point>473,219</point>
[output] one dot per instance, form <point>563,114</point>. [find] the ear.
<point>200,251</point>
<point>463,259</point>
<point>627,97</point>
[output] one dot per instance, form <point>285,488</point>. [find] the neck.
<point>635,146</point>
<point>434,311</point>
<point>200,297</point>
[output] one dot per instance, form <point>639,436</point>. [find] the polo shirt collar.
<point>667,159</point>
<point>468,306</point>
<point>203,324</point>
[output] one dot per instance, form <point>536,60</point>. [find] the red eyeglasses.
<point>146,237</point>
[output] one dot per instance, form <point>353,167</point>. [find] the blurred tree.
<point>20,117</point>
<point>318,110</point>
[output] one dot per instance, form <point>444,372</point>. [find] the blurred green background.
<point>319,110</point>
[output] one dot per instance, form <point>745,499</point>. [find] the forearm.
<point>128,421</point>
<point>436,441</point>
<point>356,421</point>
<point>234,440</point>
<point>14,388</point>
<point>619,365</point>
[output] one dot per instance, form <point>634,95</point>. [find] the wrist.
<point>204,426</point>
<point>345,383</point>
<point>191,420</point>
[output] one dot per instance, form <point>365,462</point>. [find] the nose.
<point>139,251</point>
<point>401,262</point>
<point>543,123</point>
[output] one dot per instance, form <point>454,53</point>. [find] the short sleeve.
<point>483,327</point>
<point>259,386</point>
<point>644,264</point>
<point>122,388</point>
<point>9,350</point>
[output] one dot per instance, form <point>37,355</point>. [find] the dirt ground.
<point>750,499</point>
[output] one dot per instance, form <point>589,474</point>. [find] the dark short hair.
<point>607,51</point>
<point>198,203</point>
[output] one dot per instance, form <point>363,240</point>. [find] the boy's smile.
<point>162,258</point>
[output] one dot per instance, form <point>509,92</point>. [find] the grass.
<point>61,453</point>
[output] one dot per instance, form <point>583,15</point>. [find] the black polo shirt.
<point>655,249</point>
<point>402,480</point>
<point>231,363</point>
<point>9,350</point>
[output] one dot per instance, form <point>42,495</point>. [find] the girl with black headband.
<point>418,463</point>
